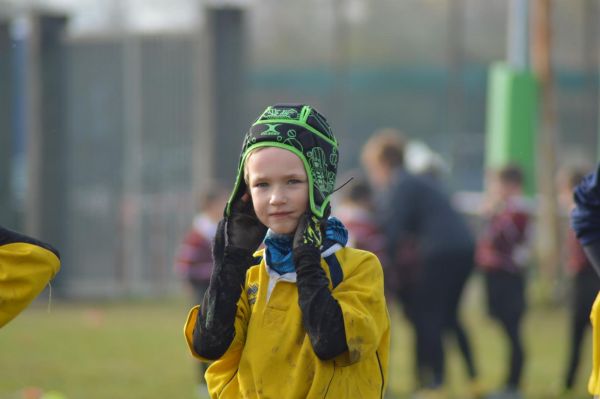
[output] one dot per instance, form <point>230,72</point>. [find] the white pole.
<point>517,43</point>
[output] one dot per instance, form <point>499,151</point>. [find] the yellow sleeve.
<point>594,381</point>
<point>25,269</point>
<point>221,371</point>
<point>362,300</point>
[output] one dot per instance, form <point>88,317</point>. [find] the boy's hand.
<point>308,231</point>
<point>242,228</point>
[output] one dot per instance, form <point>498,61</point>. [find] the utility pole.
<point>517,45</point>
<point>548,224</point>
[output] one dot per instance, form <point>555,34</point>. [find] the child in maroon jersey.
<point>355,210</point>
<point>502,254</point>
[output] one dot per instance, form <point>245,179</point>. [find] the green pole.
<point>511,120</point>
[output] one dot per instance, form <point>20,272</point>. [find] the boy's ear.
<point>246,197</point>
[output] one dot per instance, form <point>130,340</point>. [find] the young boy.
<point>502,255</point>
<point>305,317</point>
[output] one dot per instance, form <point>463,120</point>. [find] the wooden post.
<point>591,9</point>
<point>548,222</point>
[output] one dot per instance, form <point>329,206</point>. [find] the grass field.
<point>135,349</point>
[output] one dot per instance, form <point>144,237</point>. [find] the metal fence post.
<point>225,26</point>
<point>45,121</point>
<point>6,211</point>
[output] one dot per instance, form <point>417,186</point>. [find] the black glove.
<point>309,232</point>
<point>242,228</point>
<point>238,236</point>
<point>321,313</point>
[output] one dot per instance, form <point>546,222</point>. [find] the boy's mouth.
<point>280,214</point>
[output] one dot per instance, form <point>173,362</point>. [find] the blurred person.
<point>585,220</point>
<point>417,216</point>
<point>26,266</point>
<point>193,259</point>
<point>585,283</point>
<point>306,316</point>
<point>434,168</point>
<point>502,254</point>
<point>356,211</point>
<point>422,160</point>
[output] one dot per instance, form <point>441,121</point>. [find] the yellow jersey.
<point>25,269</point>
<point>271,355</point>
<point>594,381</point>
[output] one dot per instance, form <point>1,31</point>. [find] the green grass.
<point>116,350</point>
<point>136,350</point>
<point>546,341</point>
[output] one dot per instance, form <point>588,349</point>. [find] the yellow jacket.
<point>25,269</point>
<point>594,381</point>
<point>271,355</point>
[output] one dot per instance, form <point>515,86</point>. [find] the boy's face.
<point>279,188</point>
<point>503,190</point>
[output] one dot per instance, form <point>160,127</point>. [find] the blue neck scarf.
<point>279,246</point>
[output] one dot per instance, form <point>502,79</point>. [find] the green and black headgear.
<point>302,130</point>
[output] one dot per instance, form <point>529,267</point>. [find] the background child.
<point>193,260</point>
<point>305,317</point>
<point>502,254</point>
<point>355,209</point>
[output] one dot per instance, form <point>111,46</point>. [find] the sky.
<point>92,16</point>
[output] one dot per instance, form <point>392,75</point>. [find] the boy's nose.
<point>278,197</point>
